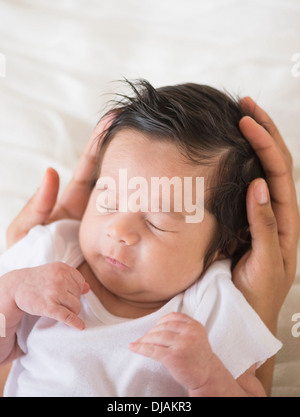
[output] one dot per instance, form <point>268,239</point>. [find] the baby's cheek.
<point>86,237</point>
<point>190,260</point>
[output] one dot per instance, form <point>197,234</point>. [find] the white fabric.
<point>61,361</point>
<point>60,59</point>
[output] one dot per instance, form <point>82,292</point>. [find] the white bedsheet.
<point>58,58</point>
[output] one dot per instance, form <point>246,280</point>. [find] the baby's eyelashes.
<point>156,227</point>
<point>104,209</point>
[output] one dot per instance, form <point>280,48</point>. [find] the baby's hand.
<point>181,344</point>
<point>52,290</point>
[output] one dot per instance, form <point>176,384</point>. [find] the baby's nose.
<point>123,231</point>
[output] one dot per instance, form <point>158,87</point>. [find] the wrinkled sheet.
<point>58,60</point>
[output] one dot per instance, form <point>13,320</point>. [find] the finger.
<point>86,288</point>
<point>88,159</point>
<point>76,284</point>
<point>264,145</point>
<point>70,301</point>
<point>267,239</point>
<point>175,317</point>
<point>262,222</point>
<point>64,315</point>
<point>169,325</point>
<point>75,197</point>
<point>284,236</point>
<point>47,194</point>
<point>149,350</point>
<point>282,189</point>
<point>79,290</point>
<point>37,210</point>
<point>87,162</point>
<point>255,111</point>
<point>159,337</point>
<point>73,201</point>
<point>156,341</point>
<point>278,172</point>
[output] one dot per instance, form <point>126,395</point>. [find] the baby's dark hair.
<point>203,123</point>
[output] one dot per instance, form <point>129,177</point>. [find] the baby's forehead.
<point>159,156</point>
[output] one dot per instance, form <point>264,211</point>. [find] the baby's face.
<point>143,256</point>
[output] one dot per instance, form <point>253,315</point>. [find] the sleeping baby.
<point>137,299</point>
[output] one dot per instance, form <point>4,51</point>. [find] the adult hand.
<point>265,274</point>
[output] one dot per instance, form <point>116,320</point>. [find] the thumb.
<point>44,199</point>
<point>38,208</point>
<point>262,221</point>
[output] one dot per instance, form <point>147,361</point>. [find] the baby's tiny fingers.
<point>160,337</point>
<point>171,326</point>
<point>86,288</point>
<point>71,302</point>
<point>177,317</point>
<point>150,350</point>
<point>71,319</point>
<point>64,315</point>
<point>78,285</point>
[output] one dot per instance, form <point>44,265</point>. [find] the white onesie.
<point>60,361</point>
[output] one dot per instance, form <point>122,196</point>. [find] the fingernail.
<point>261,192</point>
